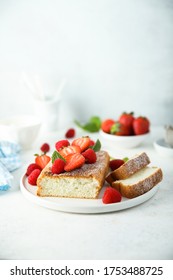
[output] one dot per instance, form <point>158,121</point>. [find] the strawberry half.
<point>74,161</point>
<point>42,160</point>
<point>82,142</point>
<point>72,149</point>
<point>61,144</point>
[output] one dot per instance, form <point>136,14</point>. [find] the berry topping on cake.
<point>61,144</point>
<point>32,178</point>
<point>58,166</point>
<point>72,149</point>
<point>115,163</point>
<point>45,148</point>
<point>90,156</point>
<point>111,195</point>
<point>82,142</point>
<point>74,161</point>
<point>32,167</point>
<point>70,133</point>
<point>42,160</point>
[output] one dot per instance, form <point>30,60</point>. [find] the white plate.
<point>75,205</point>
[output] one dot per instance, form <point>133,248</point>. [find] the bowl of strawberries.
<point>126,132</point>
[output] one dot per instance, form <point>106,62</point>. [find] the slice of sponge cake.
<point>139,183</point>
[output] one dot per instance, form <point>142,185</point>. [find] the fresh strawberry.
<point>111,195</point>
<point>120,129</point>
<point>61,144</point>
<point>72,149</point>
<point>74,161</point>
<point>90,156</point>
<point>141,125</point>
<point>83,143</point>
<point>42,160</point>
<point>127,119</point>
<point>32,167</point>
<point>92,143</point>
<point>115,163</point>
<point>70,133</point>
<point>32,178</point>
<point>107,124</point>
<point>45,148</point>
<point>58,166</point>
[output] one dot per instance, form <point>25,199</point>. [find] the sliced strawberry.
<point>90,156</point>
<point>83,143</point>
<point>111,195</point>
<point>61,144</point>
<point>92,142</point>
<point>72,149</point>
<point>42,160</point>
<point>74,161</point>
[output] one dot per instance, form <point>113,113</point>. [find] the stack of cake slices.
<point>135,177</point>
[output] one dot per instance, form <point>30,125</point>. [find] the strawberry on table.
<point>45,148</point>
<point>74,161</point>
<point>111,195</point>
<point>82,142</point>
<point>107,124</point>
<point>141,125</point>
<point>70,133</point>
<point>42,160</point>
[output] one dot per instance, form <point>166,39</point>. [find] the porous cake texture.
<point>84,182</point>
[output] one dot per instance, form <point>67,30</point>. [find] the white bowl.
<point>125,142</point>
<point>163,148</point>
<point>22,129</point>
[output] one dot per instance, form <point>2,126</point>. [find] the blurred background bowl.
<point>125,142</point>
<point>22,129</point>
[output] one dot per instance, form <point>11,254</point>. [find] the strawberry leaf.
<point>97,146</point>
<point>56,155</point>
<point>93,125</point>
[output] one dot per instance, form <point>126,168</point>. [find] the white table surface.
<point>28,231</point>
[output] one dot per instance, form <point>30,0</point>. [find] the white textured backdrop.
<point>117,55</point>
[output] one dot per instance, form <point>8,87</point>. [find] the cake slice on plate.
<point>139,183</point>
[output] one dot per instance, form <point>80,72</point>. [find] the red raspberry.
<point>45,148</point>
<point>58,166</point>
<point>32,178</point>
<point>111,195</point>
<point>70,133</point>
<point>61,144</point>
<point>115,163</point>
<point>90,156</point>
<point>32,167</point>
